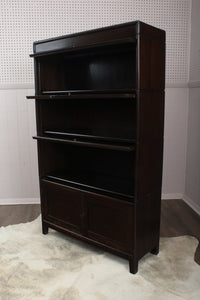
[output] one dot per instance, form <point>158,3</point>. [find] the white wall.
<point>175,142</point>
<point>192,182</point>
<point>24,21</point>
<point>18,157</point>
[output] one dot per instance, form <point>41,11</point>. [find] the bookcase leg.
<point>155,250</point>
<point>45,228</point>
<point>133,265</point>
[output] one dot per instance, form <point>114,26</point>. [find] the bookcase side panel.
<point>151,62</point>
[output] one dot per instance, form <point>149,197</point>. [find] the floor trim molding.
<point>13,201</point>
<point>172,196</point>
<point>192,204</point>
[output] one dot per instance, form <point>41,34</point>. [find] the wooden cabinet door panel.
<point>62,205</point>
<point>110,221</point>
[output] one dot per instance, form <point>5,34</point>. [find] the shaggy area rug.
<point>35,266</point>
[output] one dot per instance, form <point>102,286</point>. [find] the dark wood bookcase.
<point>99,100</point>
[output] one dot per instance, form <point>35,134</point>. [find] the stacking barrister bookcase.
<point>99,100</point>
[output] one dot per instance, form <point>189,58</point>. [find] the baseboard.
<point>192,204</point>
<point>13,201</point>
<point>172,196</point>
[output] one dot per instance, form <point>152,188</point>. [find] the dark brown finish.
<point>100,113</point>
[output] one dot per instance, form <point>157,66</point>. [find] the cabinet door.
<point>110,221</point>
<point>61,205</point>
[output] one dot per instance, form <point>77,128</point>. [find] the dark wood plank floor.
<point>15,214</point>
<point>177,219</point>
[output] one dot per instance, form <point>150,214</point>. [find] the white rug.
<point>35,266</point>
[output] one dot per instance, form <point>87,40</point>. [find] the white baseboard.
<point>13,201</point>
<point>172,196</point>
<point>192,204</point>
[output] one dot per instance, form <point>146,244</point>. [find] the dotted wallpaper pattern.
<point>24,21</point>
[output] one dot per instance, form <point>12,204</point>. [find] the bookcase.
<point>99,99</point>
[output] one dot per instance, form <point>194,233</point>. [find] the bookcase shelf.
<point>99,99</point>
<point>94,182</point>
<point>90,137</point>
<point>70,47</point>
<point>83,94</point>
<point>88,143</point>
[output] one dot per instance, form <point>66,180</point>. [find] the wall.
<point>24,21</point>
<point>175,141</point>
<point>192,181</point>
<point>18,164</point>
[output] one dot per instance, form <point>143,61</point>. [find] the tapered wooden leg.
<point>155,250</point>
<point>45,228</point>
<point>133,265</point>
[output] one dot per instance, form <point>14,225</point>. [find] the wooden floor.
<point>177,219</point>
